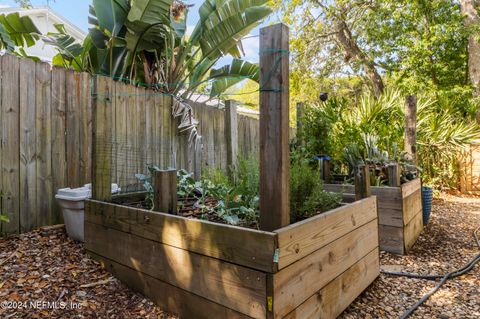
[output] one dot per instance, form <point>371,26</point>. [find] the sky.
<point>76,11</point>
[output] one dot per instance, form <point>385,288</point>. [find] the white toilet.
<point>72,202</point>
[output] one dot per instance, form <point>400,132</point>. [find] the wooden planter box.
<point>399,213</point>
<point>198,269</point>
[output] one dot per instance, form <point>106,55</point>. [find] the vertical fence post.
<point>411,127</point>
<point>393,175</point>
<point>300,139</point>
<point>274,127</point>
<point>165,186</point>
<point>231,135</point>
<point>362,182</point>
<point>102,140</point>
<point>326,173</point>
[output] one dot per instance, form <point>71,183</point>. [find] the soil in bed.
<point>189,209</point>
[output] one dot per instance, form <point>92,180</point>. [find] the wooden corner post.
<point>274,127</point>
<point>165,186</point>
<point>393,171</point>
<point>102,139</point>
<point>326,171</point>
<point>362,182</point>
<point>411,127</point>
<point>231,135</point>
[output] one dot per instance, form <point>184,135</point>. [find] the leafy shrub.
<point>307,196</point>
<point>241,202</point>
<point>445,124</point>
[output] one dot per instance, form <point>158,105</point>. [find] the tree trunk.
<point>472,19</point>
<point>353,51</point>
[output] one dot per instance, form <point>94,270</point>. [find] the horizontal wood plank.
<point>210,239</point>
<point>390,216</point>
<point>390,193</point>
<point>301,239</point>
<point>391,239</point>
<point>412,205</point>
<point>295,284</point>
<point>238,288</point>
<point>411,187</point>
<point>331,300</point>
<point>412,231</point>
<point>169,298</point>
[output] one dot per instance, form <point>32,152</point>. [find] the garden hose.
<point>459,272</point>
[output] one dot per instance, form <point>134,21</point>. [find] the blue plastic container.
<point>427,196</point>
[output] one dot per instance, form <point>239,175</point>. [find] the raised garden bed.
<point>199,269</point>
<point>399,213</point>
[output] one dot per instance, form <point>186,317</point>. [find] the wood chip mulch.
<point>44,270</point>
<point>45,266</point>
<point>447,244</point>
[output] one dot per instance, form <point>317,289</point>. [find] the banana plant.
<point>17,32</point>
<point>145,41</point>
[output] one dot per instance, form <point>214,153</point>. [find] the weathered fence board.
<point>43,129</point>
<point>59,154</point>
<point>10,141</point>
<point>46,138</point>
<point>470,169</point>
<point>28,151</point>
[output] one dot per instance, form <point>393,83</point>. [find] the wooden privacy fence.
<point>46,138</point>
<point>470,169</point>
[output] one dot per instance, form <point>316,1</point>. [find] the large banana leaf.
<point>143,36</point>
<point>65,44</point>
<point>212,12</point>
<point>150,11</point>
<point>226,34</point>
<point>110,15</point>
<point>228,9</point>
<point>5,40</point>
<point>232,74</point>
<point>108,55</point>
<point>148,24</point>
<point>21,30</point>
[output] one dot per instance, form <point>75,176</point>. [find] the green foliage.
<point>70,54</point>
<point>331,126</point>
<point>17,31</point>
<point>442,134</point>
<point>418,45</point>
<point>444,127</point>
<point>242,200</point>
<point>237,198</point>
<point>307,196</point>
<point>246,177</point>
<point>145,42</point>
<point>423,43</point>
<point>230,75</point>
<point>247,94</point>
